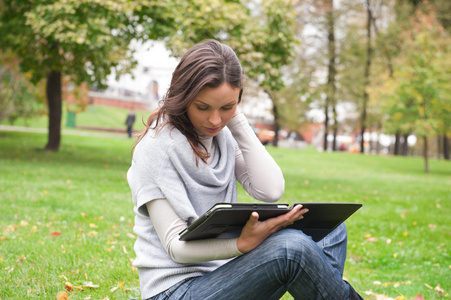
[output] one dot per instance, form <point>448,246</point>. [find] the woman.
<point>194,149</point>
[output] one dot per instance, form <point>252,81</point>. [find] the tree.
<point>261,33</point>
<point>419,91</point>
<point>275,46</point>
<point>84,39</point>
<point>331,76</point>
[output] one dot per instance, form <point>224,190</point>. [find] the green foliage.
<point>419,92</point>
<point>261,34</point>
<point>18,97</point>
<point>273,42</point>
<point>82,38</point>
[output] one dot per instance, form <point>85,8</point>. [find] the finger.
<point>253,219</point>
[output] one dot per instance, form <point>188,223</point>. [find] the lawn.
<point>97,116</point>
<point>66,218</point>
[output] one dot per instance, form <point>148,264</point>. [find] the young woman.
<point>194,149</point>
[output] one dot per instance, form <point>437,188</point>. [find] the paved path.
<point>66,131</point>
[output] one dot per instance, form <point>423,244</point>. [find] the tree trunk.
<point>275,112</point>
<point>396,151</point>
<point>275,141</point>
<point>425,154</point>
<point>332,71</point>
<point>445,147</point>
<point>439,146</point>
<point>326,125</point>
<point>334,143</point>
<point>367,74</point>
<point>54,102</point>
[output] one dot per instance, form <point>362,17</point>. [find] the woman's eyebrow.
<point>201,102</point>
<point>231,103</point>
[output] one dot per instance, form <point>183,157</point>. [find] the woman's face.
<point>213,108</point>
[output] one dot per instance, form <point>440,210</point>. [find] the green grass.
<point>94,116</point>
<point>398,242</point>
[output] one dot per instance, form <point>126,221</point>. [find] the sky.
<point>154,63</point>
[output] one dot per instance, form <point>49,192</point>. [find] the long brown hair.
<point>209,63</point>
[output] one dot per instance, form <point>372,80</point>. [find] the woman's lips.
<point>212,130</point>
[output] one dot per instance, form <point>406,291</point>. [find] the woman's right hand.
<point>255,232</point>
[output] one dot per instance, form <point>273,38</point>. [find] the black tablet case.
<point>226,220</point>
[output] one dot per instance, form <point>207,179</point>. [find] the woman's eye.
<point>227,108</point>
<point>202,108</point>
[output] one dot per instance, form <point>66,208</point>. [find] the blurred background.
<point>368,76</point>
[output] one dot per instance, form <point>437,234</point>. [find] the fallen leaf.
<point>55,233</point>
<point>90,285</point>
<point>68,287</point>
<point>418,297</point>
<point>439,290</point>
<point>62,296</point>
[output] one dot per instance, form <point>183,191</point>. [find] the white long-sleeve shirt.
<point>256,171</point>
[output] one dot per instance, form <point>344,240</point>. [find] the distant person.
<point>194,149</point>
<point>129,122</point>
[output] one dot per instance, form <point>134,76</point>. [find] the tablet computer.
<point>226,220</point>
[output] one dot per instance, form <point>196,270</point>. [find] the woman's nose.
<point>215,118</point>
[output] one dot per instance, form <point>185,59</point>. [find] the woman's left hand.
<point>255,231</point>
<point>237,112</point>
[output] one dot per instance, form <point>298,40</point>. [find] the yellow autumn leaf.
<point>62,296</point>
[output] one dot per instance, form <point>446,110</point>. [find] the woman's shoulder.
<point>162,139</point>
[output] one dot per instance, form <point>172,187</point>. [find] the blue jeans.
<point>288,261</point>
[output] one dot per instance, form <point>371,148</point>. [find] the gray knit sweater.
<point>164,166</point>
